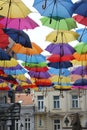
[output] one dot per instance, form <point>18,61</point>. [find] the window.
<point>56,101</point>
<point>27,123</point>
<point>57,124</point>
<point>40,102</point>
<point>75,101</point>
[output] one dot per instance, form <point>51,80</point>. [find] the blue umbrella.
<point>83,34</point>
<point>19,36</point>
<point>31,58</point>
<point>80,82</point>
<point>15,72</point>
<point>64,72</point>
<point>4,55</point>
<point>54,8</point>
<point>59,65</point>
<point>81,7</point>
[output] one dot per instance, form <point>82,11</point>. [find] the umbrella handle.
<point>44,5</point>
<point>1,8</point>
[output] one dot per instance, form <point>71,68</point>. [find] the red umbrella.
<point>58,58</point>
<point>4,40</point>
<point>81,19</point>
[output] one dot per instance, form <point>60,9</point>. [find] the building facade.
<point>52,109</point>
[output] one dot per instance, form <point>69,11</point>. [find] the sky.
<point>38,34</point>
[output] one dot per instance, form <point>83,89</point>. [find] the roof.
<point>24,99</point>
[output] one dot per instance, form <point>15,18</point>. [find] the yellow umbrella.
<point>62,36</point>
<point>21,77</point>
<point>63,79</point>
<point>9,63</point>
<point>76,62</point>
<point>13,9</point>
<point>59,87</point>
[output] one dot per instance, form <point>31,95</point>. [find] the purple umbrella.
<point>60,49</point>
<point>39,74</point>
<point>81,70</point>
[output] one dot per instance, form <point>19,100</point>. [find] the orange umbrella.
<point>17,48</point>
<point>80,57</point>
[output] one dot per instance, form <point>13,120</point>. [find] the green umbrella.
<point>59,24</point>
<point>42,64</point>
<point>81,48</point>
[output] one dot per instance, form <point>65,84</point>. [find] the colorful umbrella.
<point>22,78</point>
<point>59,65</point>
<point>8,63</point>
<point>80,82</point>
<point>80,57</point>
<point>59,24</point>
<point>81,48</point>
<point>59,58</point>
<point>4,55</point>
<point>60,49</point>
<point>76,62</point>
<point>19,36</point>
<point>37,69</point>
<point>80,7</point>
<point>39,74</point>
<point>19,23</point>
<point>82,34</point>
<point>42,64</point>
<point>17,48</point>
<point>59,36</point>
<point>81,19</point>
<point>54,8</point>
<point>13,9</point>
<point>43,82</point>
<point>31,58</point>
<point>63,72</point>
<point>3,39</point>
<point>81,70</point>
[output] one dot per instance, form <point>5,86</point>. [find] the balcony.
<point>40,110</point>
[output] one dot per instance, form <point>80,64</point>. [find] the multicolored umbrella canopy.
<point>54,8</point>
<point>81,48</point>
<point>80,19</point>
<point>60,58</point>
<point>19,23</point>
<point>60,49</point>
<point>4,38</point>
<point>63,72</point>
<point>18,36</point>
<point>60,65</point>
<point>31,58</point>
<point>13,9</point>
<point>4,55</point>
<point>17,48</point>
<point>81,70</point>
<point>80,57</point>
<point>59,24</point>
<point>82,34</point>
<point>80,7</point>
<point>59,36</point>
<point>80,83</point>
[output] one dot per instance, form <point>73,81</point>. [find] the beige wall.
<point>65,110</point>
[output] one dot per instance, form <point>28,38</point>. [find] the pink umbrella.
<point>19,23</point>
